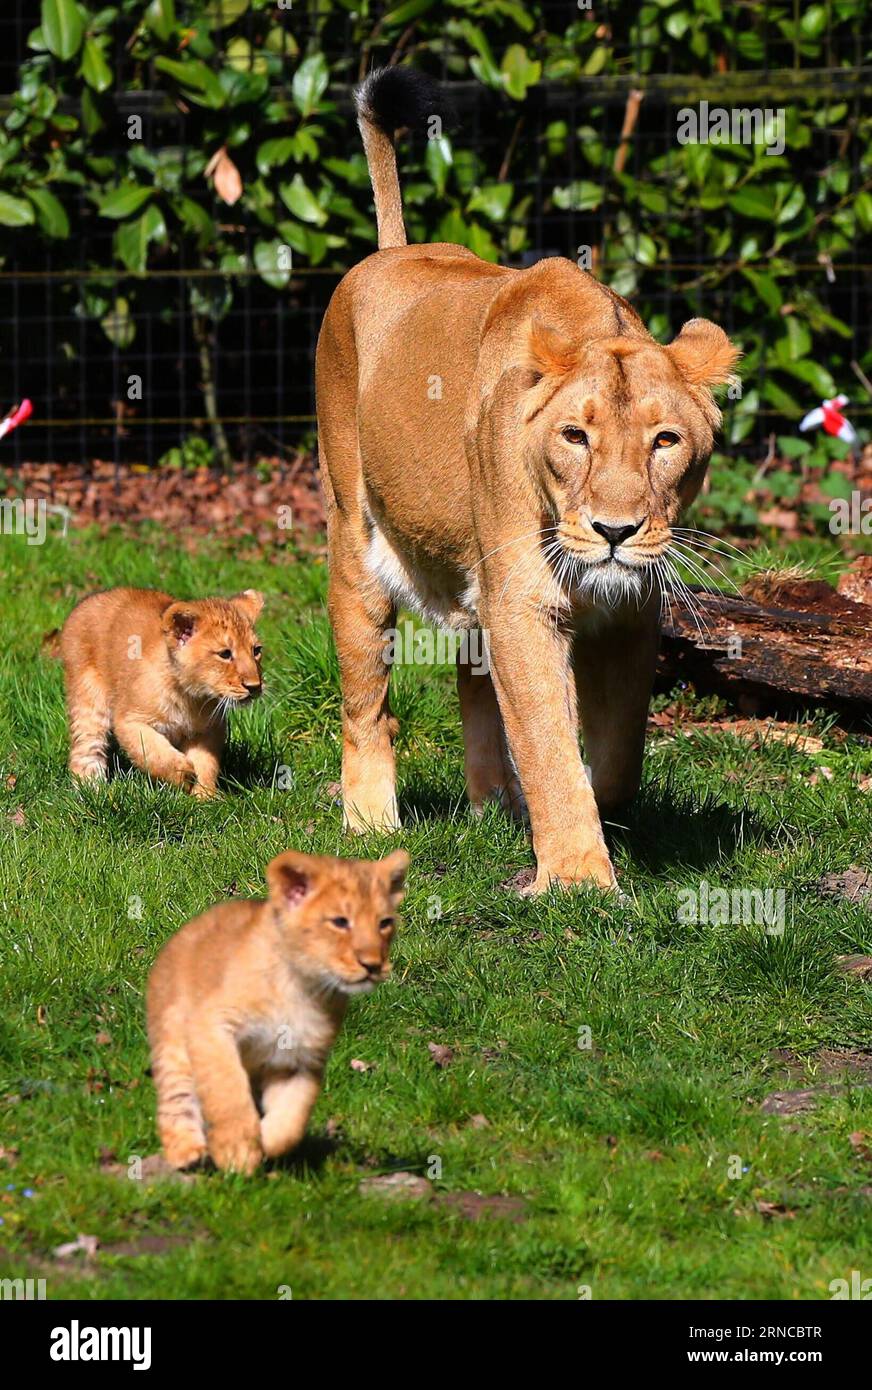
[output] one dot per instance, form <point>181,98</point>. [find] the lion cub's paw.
<point>185,1152</point>
<point>235,1154</point>
<point>203,792</point>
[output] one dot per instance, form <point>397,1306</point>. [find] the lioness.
<point>503,449</point>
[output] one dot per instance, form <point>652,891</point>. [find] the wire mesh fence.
<point>206,357</point>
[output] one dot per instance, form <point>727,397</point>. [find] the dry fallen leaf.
<point>861,1143</point>
<point>856,582</point>
<point>780,518</point>
<point>17,817</point>
<point>357,1065</point>
<point>82,1245</point>
<point>823,772</point>
<point>103,1039</point>
<point>41,1014</point>
<point>225,176</point>
<point>771,1209</point>
<point>443,1056</point>
<point>855,965</point>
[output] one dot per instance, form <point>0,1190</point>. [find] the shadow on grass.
<point>422,800</point>
<point>668,829</point>
<point>664,828</point>
<point>310,1155</point>
<point>243,765</point>
<point>315,1150</point>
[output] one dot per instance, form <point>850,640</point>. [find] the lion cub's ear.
<point>249,603</point>
<point>291,877</point>
<point>178,622</point>
<point>549,353</point>
<point>395,867</point>
<point>703,354</point>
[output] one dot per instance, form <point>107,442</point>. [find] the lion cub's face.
<point>337,917</point>
<point>622,432</point>
<point>214,649</point>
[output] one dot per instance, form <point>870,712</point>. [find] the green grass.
<point>621,1152</point>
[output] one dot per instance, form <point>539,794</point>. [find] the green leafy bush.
<point>767,243</point>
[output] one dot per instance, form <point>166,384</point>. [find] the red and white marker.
<point>830,416</point>
<point>16,417</point>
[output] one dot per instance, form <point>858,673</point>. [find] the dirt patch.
<point>861,966</point>
<point>831,1069</point>
<point>828,1062</point>
<point>145,1245</point>
<point>855,885</point>
<point>519,881</point>
<point>473,1206</point>
<point>796,1102</point>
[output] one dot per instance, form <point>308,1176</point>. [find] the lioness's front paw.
<point>359,819</point>
<point>594,868</point>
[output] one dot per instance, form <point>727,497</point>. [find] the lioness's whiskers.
<point>694,562</point>
<point>707,535</point>
<point>525,536</point>
<point>680,591</point>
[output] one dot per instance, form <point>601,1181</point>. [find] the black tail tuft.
<point>393,98</point>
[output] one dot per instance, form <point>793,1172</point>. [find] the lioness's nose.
<point>616,534</point>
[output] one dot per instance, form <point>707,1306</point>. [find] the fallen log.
<point>783,644</point>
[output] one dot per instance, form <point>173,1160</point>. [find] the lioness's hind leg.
<point>361,614</point>
<point>490,772</point>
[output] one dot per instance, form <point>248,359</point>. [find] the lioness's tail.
<point>389,100</point>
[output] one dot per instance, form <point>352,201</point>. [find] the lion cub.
<point>161,675</point>
<point>245,1002</point>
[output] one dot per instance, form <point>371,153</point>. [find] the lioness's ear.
<point>290,878</point>
<point>703,354</point>
<point>395,866</point>
<point>249,603</point>
<point>548,352</point>
<point>178,622</point>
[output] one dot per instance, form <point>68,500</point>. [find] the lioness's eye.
<point>573,435</point>
<point>225,655</point>
<point>386,923</point>
<point>341,922</point>
<point>256,651</point>
<point>666,439</point>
